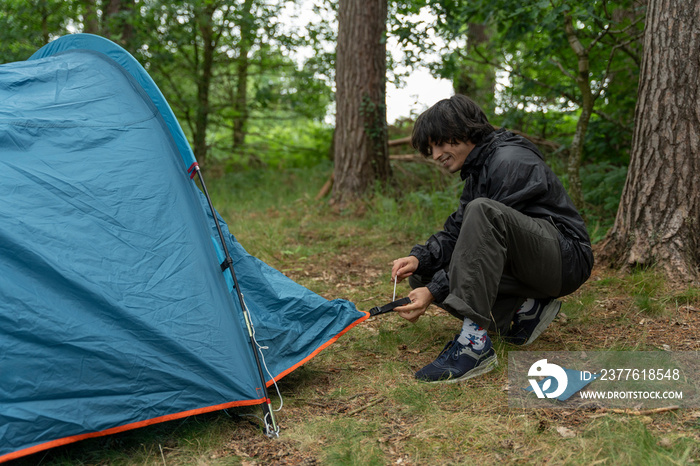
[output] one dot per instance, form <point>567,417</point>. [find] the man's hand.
<point>420,300</point>
<point>404,267</point>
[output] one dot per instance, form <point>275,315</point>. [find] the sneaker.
<point>458,362</point>
<point>530,323</point>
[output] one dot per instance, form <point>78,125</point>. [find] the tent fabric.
<point>114,310</point>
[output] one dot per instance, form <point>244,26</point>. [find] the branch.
<point>634,56</point>
<point>400,142</point>
<point>633,38</point>
<point>605,9</point>
<point>610,59</point>
<point>645,412</point>
<point>535,140</point>
<point>362,408</point>
<point>605,75</point>
<point>602,34</point>
<point>224,19</point>
<point>326,188</point>
<point>571,36</point>
<point>562,69</point>
<point>620,123</point>
<point>413,157</point>
<point>631,25</point>
<point>606,28</point>
<point>512,70</point>
<point>623,46</point>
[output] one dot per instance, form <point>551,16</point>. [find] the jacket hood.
<point>481,153</point>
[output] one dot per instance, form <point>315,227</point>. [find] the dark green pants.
<point>501,258</point>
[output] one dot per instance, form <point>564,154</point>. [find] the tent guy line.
<point>271,427</point>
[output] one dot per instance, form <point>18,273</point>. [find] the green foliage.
<point>418,212</point>
<point>350,445</point>
<point>648,291</point>
<point>250,76</point>
<point>374,115</point>
<point>260,190</point>
<point>415,214</point>
<point>628,441</point>
<point>276,144</point>
<point>27,25</point>
<point>602,187</point>
<point>515,59</point>
<point>532,46</point>
<point>607,142</point>
<point>556,126</point>
<point>250,61</point>
<point>687,297</point>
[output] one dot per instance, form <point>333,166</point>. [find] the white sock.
<point>472,334</point>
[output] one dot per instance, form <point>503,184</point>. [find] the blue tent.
<point>115,312</point>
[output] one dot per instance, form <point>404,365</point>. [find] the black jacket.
<point>509,169</point>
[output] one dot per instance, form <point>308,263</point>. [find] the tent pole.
<point>271,428</point>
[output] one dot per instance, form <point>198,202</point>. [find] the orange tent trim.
<point>320,348</point>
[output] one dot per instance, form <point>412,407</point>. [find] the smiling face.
<point>451,156</point>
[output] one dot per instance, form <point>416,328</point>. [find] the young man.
<point>515,243</point>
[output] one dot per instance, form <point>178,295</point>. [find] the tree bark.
<point>659,214</point>
<point>90,21</point>
<point>361,152</point>
<point>115,22</point>
<point>587,103</point>
<point>204,66</point>
<point>240,104</point>
<point>476,80</point>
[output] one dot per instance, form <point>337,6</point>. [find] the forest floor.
<point>357,402</point>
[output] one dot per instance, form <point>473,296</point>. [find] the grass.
<point>357,402</point>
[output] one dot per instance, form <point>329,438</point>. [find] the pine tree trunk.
<point>658,219</point>
<point>90,21</point>
<point>476,80</point>
<point>240,103</point>
<point>587,103</point>
<point>115,23</point>
<point>205,67</point>
<point>361,152</point>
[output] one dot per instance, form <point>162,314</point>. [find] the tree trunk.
<point>116,25</point>
<point>240,104</point>
<point>587,102</point>
<point>90,21</point>
<point>476,80</point>
<point>659,214</point>
<point>361,152</point>
<point>44,12</point>
<point>205,71</point>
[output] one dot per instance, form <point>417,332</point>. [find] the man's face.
<point>451,156</point>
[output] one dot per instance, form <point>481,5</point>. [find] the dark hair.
<point>450,120</point>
